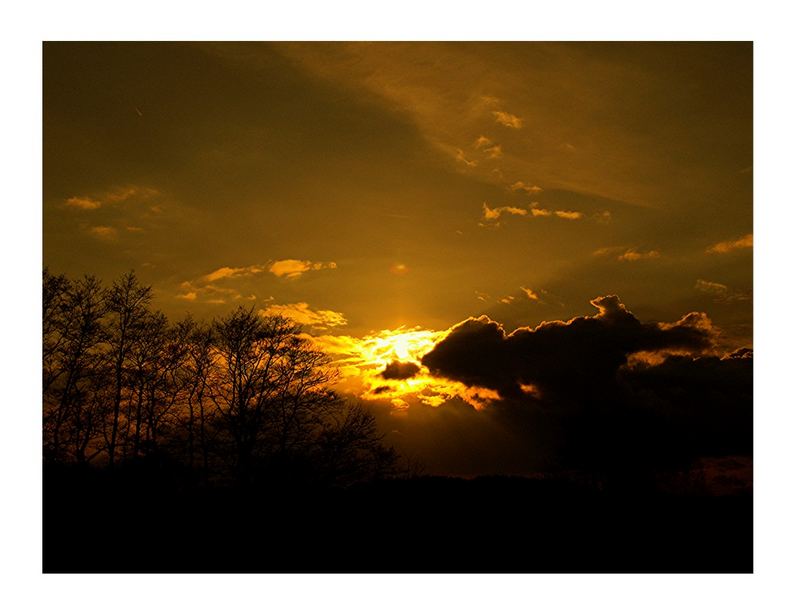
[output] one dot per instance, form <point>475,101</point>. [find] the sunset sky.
<point>380,194</point>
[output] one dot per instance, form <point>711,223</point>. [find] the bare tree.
<point>250,376</point>
<point>127,305</point>
<point>73,334</point>
<point>247,391</point>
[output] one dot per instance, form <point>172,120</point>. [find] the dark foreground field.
<point>93,523</point>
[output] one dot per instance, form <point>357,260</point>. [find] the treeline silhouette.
<point>237,399</point>
<point>220,447</point>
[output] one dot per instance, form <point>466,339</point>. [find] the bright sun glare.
<point>361,361</point>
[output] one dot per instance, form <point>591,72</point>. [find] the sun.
<point>401,347</point>
<point>360,362</point>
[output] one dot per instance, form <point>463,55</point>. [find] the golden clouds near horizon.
<point>375,366</point>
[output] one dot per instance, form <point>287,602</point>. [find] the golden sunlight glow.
<point>361,362</point>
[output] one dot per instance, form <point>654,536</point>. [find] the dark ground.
<point>139,523</point>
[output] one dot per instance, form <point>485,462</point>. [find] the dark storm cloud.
<point>596,408</point>
<point>397,370</point>
<point>558,356</point>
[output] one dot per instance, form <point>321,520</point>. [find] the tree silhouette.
<point>249,393</point>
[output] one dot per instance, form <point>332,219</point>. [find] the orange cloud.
<point>461,157</point>
<point>106,233</point>
<point>529,293</point>
<point>626,254</point>
<point>82,202</point>
<point>635,255</point>
<point>495,151</point>
<point>302,314</point>
<point>293,268</point>
<point>529,188</point>
<point>232,272</point>
<point>363,361</point>
<point>538,212</point>
<point>723,247</point>
<point>569,215</point>
<point>507,119</point>
<point>494,213</point>
<point>116,195</point>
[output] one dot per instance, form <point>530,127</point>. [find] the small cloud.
<point>529,188</point>
<point>488,147</point>
<point>106,233</point>
<point>482,296</point>
<point>399,269</point>
<point>603,217</point>
<point>126,193</point>
<point>720,292</point>
<point>432,400</point>
<point>507,299</point>
<point>397,370</point>
<point>569,215</point>
<point>540,212</point>
<point>530,293</point>
<point>400,406</point>
<point>635,255</point>
<point>531,390</point>
<point>494,213</point>
<point>713,288</point>
<point>608,250</point>
<point>495,151</point>
<point>507,119</point>
<point>83,202</point>
<point>206,292</point>
<point>626,254</point>
<point>134,229</point>
<point>232,272</point>
<point>723,247</point>
<point>292,268</point>
<point>302,314</point>
<point>461,157</point>
<point>116,195</point>
<point>567,147</point>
